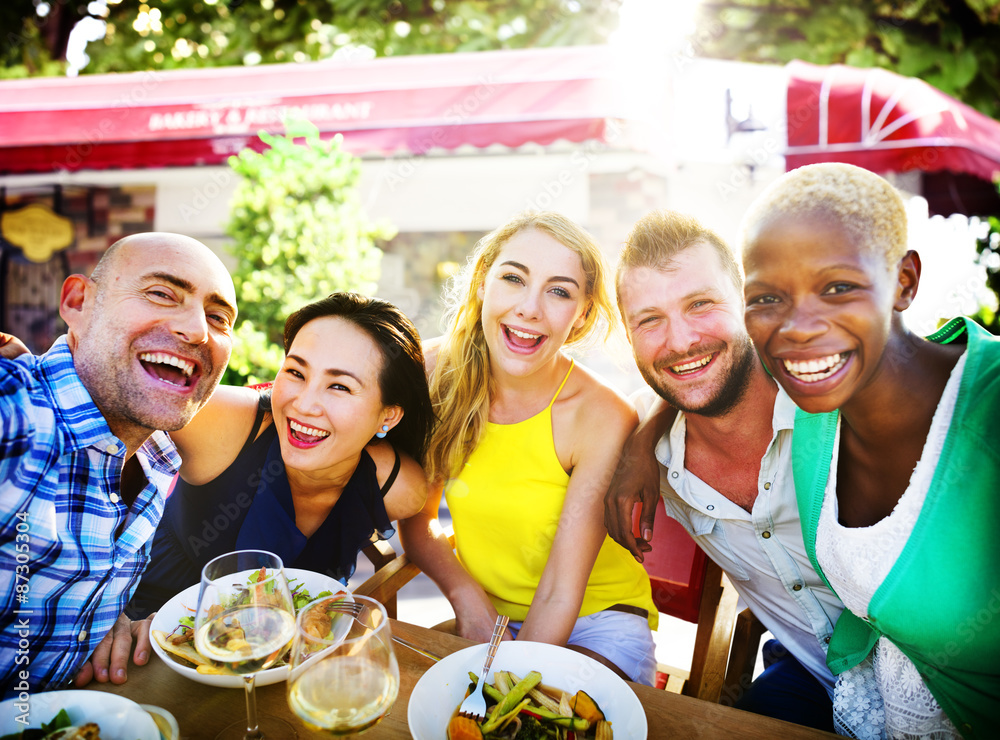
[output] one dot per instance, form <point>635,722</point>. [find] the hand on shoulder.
<point>11,346</point>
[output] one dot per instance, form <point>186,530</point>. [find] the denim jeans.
<point>787,691</point>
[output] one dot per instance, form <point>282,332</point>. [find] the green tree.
<point>300,233</point>
<point>952,44</point>
<point>167,34</point>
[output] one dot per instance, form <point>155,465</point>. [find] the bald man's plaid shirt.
<point>71,551</point>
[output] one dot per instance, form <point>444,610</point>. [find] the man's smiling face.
<point>151,338</point>
<point>685,323</point>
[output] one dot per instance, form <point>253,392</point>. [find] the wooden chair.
<point>396,571</point>
<point>392,572</point>
<point>690,586</point>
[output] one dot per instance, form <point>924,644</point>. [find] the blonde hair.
<point>461,385</point>
<point>865,205</point>
<point>658,237</point>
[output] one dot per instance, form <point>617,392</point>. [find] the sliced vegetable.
<point>500,715</point>
<point>502,681</point>
<point>541,698</point>
<point>491,692</point>
<point>584,705</point>
<point>603,730</point>
<point>518,692</point>
<point>564,708</point>
<point>464,728</point>
<point>578,724</point>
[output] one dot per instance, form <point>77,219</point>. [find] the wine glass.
<point>246,619</point>
<point>343,676</point>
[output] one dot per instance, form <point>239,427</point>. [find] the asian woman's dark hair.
<point>402,380</point>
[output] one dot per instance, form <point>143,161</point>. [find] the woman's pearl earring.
<point>385,430</point>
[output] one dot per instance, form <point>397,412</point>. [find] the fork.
<point>352,608</point>
<point>474,706</point>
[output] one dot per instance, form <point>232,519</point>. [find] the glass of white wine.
<point>246,619</point>
<point>344,677</point>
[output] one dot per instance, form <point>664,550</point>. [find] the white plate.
<point>184,604</point>
<point>119,718</point>
<point>441,689</point>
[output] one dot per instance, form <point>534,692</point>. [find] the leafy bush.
<point>300,233</point>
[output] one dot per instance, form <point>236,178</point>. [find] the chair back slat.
<point>676,567</point>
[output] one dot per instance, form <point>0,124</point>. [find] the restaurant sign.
<point>37,230</point>
<point>247,119</point>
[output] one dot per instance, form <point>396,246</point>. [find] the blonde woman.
<point>525,447</point>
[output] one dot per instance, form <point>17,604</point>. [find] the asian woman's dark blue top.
<point>249,506</point>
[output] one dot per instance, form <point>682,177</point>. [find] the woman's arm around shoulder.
<point>408,492</point>
<point>590,431</point>
<point>214,437</point>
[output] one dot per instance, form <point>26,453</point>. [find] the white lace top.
<point>885,696</point>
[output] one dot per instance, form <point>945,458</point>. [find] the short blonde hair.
<point>865,205</point>
<point>658,237</point>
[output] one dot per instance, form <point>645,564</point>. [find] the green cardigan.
<point>940,603</point>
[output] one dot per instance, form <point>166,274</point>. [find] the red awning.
<point>883,122</point>
<point>411,104</point>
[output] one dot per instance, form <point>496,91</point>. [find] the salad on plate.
<point>172,630</point>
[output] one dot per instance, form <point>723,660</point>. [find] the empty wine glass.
<point>246,619</point>
<point>344,677</point>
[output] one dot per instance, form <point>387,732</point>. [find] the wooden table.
<point>202,711</point>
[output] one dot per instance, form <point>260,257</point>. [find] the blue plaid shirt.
<point>71,551</point>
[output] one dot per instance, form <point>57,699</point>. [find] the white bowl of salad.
<point>306,586</point>
<point>51,712</point>
<point>438,693</point>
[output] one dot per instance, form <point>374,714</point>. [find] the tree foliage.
<point>169,34</point>
<point>300,233</point>
<point>953,45</point>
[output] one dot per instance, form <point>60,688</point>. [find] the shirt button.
<point>766,535</point>
<point>114,498</point>
<point>674,474</point>
<point>82,636</point>
<point>797,587</point>
<point>111,449</point>
<point>767,486</point>
<point>710,507</point>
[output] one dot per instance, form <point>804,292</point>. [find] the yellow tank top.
<point>505,507</point>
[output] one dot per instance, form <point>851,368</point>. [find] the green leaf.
<point>862,58</point>
<point>916,59</point>
<point>966,68</point>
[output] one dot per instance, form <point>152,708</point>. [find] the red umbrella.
<point>884,122</point>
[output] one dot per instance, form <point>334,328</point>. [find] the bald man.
<point>84,461</point>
